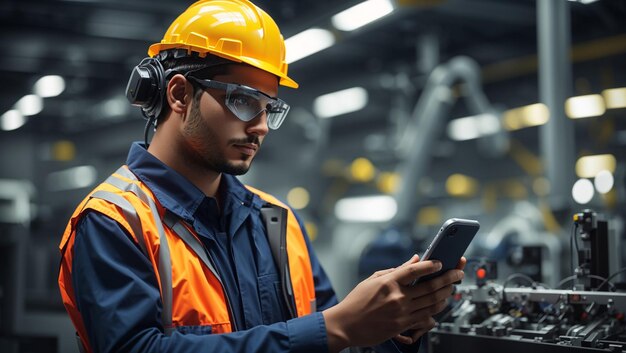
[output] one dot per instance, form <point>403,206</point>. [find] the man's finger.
<point>407,274</point>
<point>404,339</point>
<point>414,259</point>
<point>411,336</point>
<point>462,262</point>
<point>382,272</point>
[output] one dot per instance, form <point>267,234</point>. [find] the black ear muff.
<point>145,87</point>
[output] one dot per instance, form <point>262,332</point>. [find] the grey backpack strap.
<point>275,219</point>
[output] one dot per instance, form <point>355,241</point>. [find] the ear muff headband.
<point>145,87</point>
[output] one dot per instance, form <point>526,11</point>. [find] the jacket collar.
<point>177,194</point>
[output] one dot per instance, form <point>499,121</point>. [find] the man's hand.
<point>384,305</point>
<point>415,333</point>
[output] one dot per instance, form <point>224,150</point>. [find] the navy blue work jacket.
<point>118,295</point>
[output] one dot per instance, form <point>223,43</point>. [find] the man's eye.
<point>242,100</point>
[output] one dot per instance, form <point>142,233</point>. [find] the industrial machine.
<point>585,313</point>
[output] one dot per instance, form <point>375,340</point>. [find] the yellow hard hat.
<point>236,30</point>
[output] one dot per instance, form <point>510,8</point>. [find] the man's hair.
<point>202,67</point>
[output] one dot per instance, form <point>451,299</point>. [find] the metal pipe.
<point>555,85</point>
<point>428,119</point>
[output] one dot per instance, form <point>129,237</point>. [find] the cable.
<point>565,280</point>
<point>517,275</point>
<point>576,238</point>
<point>146,130</point>
<point>532,282</point>
<point>513,276</point>
<point>609,278</point>
<point>573,243</point>
<point>606,280</point>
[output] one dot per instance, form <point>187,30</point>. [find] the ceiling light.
<point>582,191</point>
<point>307,43</point>
<point>114,108</point>
<point>429,216</point>
<point>359,15</point>
<point>298,198</point>
<point>472,127</point>
<point>460,185</point>
<point>29,105</point>
<point>340,102</point>
<point>615,98</point>
<point>526,116</point>
<point>388,182</point>
<point>12,120</point>
<point>584,106</point>
<point>590,166</point>
<point>49,86</point>
<point>378,208</point>
<point>362,170</point>
<point>604,181</point>
<point>541,186</point>
<point>463,129</point>
<point>63,151</point>
<point>72,178</point>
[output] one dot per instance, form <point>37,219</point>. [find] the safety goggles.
<point>247,103</point>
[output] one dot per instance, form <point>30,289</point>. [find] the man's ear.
<point>179,94</point>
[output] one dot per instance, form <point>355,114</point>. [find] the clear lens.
<point>277,114</point>
<point>247,103</point>
<point>244,103</point>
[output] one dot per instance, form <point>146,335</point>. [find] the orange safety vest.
<point>175,251</point>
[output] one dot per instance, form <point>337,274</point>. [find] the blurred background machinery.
<point>584,312</point>
<point>511,112</point>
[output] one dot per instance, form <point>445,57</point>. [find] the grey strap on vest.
<point>129,214</point>
<point>125,172</point>
<point>164,265</point>
<point>275,219</point>
<point>177,225</point>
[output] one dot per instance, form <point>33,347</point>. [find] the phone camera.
<point>453,231</point>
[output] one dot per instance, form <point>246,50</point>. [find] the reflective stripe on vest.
<point>130,214</point>
<point>165,264</point>
<point>178,226</point>
<point>174,223</point>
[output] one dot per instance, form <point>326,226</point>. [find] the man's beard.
<point>202,140</point>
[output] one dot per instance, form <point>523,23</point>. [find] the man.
<point>173,254</point>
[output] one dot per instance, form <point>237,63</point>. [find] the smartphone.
<point>449,245</point>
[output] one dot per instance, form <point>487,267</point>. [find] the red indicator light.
<point>481,273</point>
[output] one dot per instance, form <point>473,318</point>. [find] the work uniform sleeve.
<point>118,297</point>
